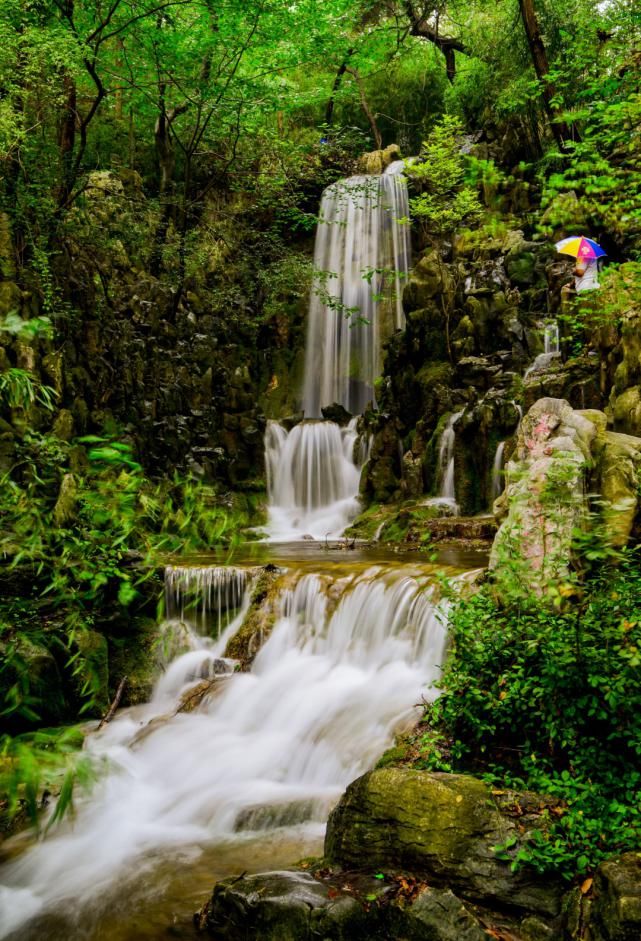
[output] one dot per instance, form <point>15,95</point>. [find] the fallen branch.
<point>112,708</point>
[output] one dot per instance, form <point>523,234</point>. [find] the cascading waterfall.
<point>313,473</point>
<point>497,471</point>
<point>362,253</point>
<point>361,259</point>
<point>205,596</point>
<point>446,466</point>
<point>344,666</point>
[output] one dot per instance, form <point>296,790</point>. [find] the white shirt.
<point>589,280</point>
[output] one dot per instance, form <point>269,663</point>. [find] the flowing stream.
<point>244,779</point>
<point>352,650</point>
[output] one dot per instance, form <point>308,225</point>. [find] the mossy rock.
<point>444,826</point>
<point>93,677</point>
<point>264,608</point>
<point>135,656</point>
<point>34,664</point>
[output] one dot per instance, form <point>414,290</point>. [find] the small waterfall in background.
<point>497,471</point>
<point>551,350</point>
<point>207,597</point>
<point>347,661</point>
<point>551,338</point>
<point>313,473</point>
<point>446,467</point>
<point>362,252</point>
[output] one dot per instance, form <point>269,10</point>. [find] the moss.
<point>135,656</point>
<point>260,618</point>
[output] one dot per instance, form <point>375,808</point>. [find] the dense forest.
<point>211,216</point>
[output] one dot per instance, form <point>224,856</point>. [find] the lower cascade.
<point>348,657</point>
<point>313,474</point>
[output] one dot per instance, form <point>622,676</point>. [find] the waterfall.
<point>362,252</point>
<point>206,596</point>
<point>551,337</point>
<point>345,664</point>
<point>313,473</point>
<point>447,493</point>
<point>361,258</point>
<point>551,350</point>
<point>497,471</point>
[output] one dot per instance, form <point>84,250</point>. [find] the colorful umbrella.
<point>580,247</point>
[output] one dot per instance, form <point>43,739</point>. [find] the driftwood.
<point>112,708</point>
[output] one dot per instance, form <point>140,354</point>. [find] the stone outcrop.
<point>544,500</point>
<point>446,827</point>
<point>442,845</point>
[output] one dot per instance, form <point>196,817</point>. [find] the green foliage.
<point>84,569</point>
<point>445,200</point>
<point>546,697</point>
<point>20,389</point>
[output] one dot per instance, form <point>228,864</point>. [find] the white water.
<point>551,338</point>
<point>313,475</point>
<point>206,595</point>
<point>276,746</point>
<point>360,233</point>
<point>497,471</point>
<point>446,467</point>
<point>551,350</point>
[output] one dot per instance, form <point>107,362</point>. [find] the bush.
<point>549,699</point>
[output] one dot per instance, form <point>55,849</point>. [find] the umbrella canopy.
<point>580,247</point>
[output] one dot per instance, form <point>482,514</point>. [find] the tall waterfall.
<point>361,258</point>
<point>362,253</point>
<point>313,474</point>
<point>346,662</point>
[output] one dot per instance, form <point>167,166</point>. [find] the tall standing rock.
<point>544,497</point>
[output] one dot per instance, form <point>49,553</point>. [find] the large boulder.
<point>616,477</point>
<point>283,906</point>
<point>616,910</point>
<point>544,496</point>
<point>446,826</point>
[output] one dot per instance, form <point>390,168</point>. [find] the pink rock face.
<point>545,498</point>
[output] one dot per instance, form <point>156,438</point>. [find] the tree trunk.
<point>561,130</point>
<point>329,111</point>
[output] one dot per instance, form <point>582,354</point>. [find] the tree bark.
<point>561,130</point>
<point>329,111</point>
<point>449,45</point>
<point>369,114</point>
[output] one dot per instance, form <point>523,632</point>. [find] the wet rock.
<point>616,910</point>
<point>337,414</point>
<point>63,426</point>
<point>94,670</point>
<point>264,607</point>
<point>444,826</point>
<point>435,915</point>
<point>616,476</point>
<point>430,278</point>
<point>283,906</point>
<point>377,161</point>
<point>34,665</point>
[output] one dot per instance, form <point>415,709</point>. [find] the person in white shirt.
<point>586,275</point>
